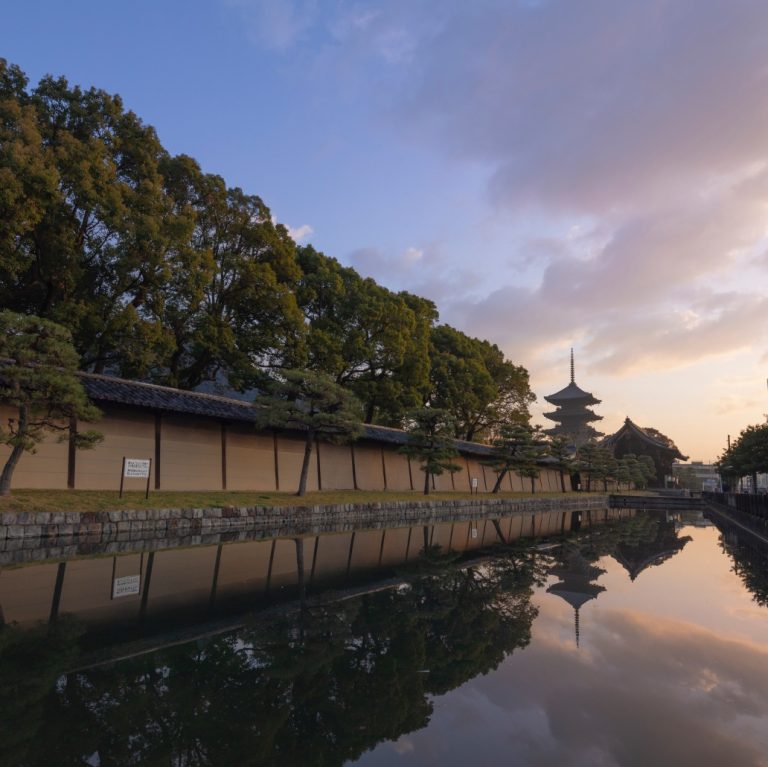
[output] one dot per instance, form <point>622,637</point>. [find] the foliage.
<point>430,441</point>
<point>560,451</point>
<point>369,339</point>
<point>748,454</point>
<point>312,403</point>
<point>593,462</point>
<point>517,447</point>
<point>38,382</point>
<point>162,272</point>
<point>317,688</point>
<point>471,379</point>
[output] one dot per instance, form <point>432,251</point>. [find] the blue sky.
<point>551,173</point>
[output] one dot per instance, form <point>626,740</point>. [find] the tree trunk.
<point>499,480</point>
<point>305,464</point>
<point>13,458</point>
<point>533,485</point>
<point>498,530</point>
<point>562,481</point>
<point>426,482</point>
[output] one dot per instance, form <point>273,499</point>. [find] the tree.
<point>230,301</point>
<point>370,340</point>
<point>517,447</point>
<point>748,455</point>
<point>430,441</point>
<point>559,449</point>
<point>595,462</point>
<point>38,381</point>
<point>309,402</point>
<point>473,381</point>
<point>89,252</point>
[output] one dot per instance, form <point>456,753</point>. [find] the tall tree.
<point>38,382</point>
<point>234,311</point>
<point>312,403</point>
<point>473,381</point>
<point>90,254</point>
<point>371,340</point>
<point>431,442</point>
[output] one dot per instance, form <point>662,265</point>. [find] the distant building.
<point>572,414</point>
<point>630,438</point>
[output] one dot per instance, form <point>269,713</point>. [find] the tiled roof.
<point>102,388</point>
<point>629,427</point>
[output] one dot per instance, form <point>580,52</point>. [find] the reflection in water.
<point>319,686</point>
<point>419,647</point>
<point>749,555</point>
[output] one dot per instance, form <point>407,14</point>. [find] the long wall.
<point>199,453</point>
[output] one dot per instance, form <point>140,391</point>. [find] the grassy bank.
<point>101,500</point>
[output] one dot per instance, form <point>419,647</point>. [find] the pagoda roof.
<point>572,393</point>
<point>581,415</point>
<point>629,428</point>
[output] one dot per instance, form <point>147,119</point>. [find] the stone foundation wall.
<point>28,536</point>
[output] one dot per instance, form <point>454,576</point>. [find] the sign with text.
<point>127,586</point>
<point>136,467</point>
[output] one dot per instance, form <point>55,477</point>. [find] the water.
<point>637,640</point>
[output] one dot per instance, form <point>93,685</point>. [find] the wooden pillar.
<point>223,455</point>
<point>383,467</point>
<point>354,468</point>
<point>277,464</point>
<point>158,436</point>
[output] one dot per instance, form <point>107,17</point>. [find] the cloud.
<point>624,698</point>
<point>276,24</point>
<point>300,233</point>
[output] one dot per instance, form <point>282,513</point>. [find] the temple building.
<point>572,414</point>
<point>630,438</point>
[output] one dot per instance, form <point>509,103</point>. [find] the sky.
<point>553,174</point>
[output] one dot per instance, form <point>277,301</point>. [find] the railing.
<point>750,510</point>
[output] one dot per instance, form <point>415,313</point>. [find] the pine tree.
<point>309,402</point>
<point>430,441</point>
<point>38,382</point>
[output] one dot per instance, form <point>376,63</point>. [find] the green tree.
<point>431,442</point>
<point>370,340</point>
<point>560,451</point>
<point>312,403</point>
<point>90,252</point>
<point>517,447</point>
<point>38,382</point>
<point>230,301</point>
<point>594,462</point>
<point>473,381</point>
<point>748,454</point>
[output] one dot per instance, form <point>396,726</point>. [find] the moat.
<point>609,637</point>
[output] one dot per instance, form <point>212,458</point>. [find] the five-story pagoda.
<point>573,415</point>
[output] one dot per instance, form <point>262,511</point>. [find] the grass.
<point>103,500</point>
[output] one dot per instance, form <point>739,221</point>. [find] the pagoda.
<point>573,415</point>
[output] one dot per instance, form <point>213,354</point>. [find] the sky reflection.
<point>672,669</point>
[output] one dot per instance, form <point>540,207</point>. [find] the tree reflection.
<point>315,687</point>
<point>750,559</point>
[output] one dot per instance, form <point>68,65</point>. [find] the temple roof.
<point>629,428</point>
<point>572,393</point>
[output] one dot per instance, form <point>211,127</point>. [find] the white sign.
<point>127,586</point>
<point>474,532</point>
<point>136,467</point>
<point>474,483</point>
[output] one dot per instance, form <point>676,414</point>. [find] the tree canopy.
<point>164,273</point>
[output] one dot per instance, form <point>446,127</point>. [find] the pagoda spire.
<point>573,379</point>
